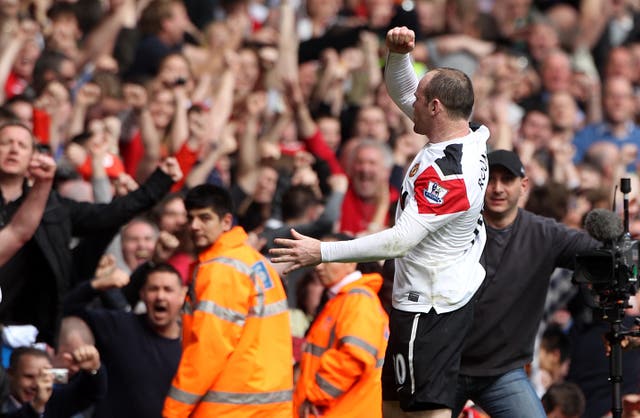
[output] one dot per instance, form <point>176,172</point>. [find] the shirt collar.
<point>14,401</point>
<point>349,278</point>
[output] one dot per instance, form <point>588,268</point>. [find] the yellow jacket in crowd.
<point>342,362</point>
<point>237,350</point>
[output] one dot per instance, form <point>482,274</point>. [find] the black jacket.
<point>509,305</point>
<point>63,219</point>
<point>82,391</point>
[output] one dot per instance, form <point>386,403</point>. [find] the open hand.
<point>301,251</point>
<point>108,276</point>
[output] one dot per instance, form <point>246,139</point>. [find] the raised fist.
<point>401,40</point>
<point>42,167</point>
<point>171,168</point>
<point>136,96</point>
<point>88,95</point>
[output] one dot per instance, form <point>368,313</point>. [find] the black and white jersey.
<point>438,235</point>
<point>443,194</point>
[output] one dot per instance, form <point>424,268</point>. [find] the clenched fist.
<point>401,40</point>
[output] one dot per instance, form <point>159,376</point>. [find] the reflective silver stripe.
<point>328,387</point>
<point>258,309</point>
<point>360,343</point>
<point>243,268</point>
<point>332,336</point>
<point>191,305</point>
<point>232,262</point>
<point>270,309</point>
<point>359,291</point>
<point>260,398</point>
<point>221,312</point>
<point>379,363</point>
<point>183,396</point>
<point>187,308</point>
<point>314,349</point>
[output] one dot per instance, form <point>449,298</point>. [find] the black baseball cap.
<point>508,160</point>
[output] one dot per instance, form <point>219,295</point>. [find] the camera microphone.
<point>603,225</point>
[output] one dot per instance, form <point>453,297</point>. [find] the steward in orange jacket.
<point>237,350</point>
<point>342,362</point>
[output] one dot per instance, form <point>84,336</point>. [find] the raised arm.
<point>102,39</point>
<point>180,124</point>
<point>287,41</point>
<point>87,96</point>
<point>87,218</point>
<point>216,149</point>
<point>136,96</point>
<point>26,220</point>
<point>370,46</point>
<point>399,76</point>
<point>106,277</point>
<point>24,35</point>
<point>248,154</point>
<point>223,102</point>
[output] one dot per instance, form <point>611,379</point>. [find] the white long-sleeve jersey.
<point>438,236</point>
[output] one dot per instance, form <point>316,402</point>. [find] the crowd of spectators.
<point>282,103</point>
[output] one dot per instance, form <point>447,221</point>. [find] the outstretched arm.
<point>88,218</point>
<point>390,243</point>
<point>24,223</point>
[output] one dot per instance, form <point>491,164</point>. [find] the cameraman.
<point>509,304</point>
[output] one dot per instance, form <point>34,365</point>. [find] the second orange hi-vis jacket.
<point>341,366</point>
<point>237,351</point>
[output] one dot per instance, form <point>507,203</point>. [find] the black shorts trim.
<point>422,360</point>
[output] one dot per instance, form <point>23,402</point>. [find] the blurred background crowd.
<point>283,103</point>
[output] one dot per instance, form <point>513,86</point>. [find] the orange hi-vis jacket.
<point>341,366</point>
<point>237,350</point>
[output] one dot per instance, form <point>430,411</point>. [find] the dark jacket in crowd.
<point>82,391</point>
<point>35,280</point>
<point>509,305</point>
<point>133,353</point>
